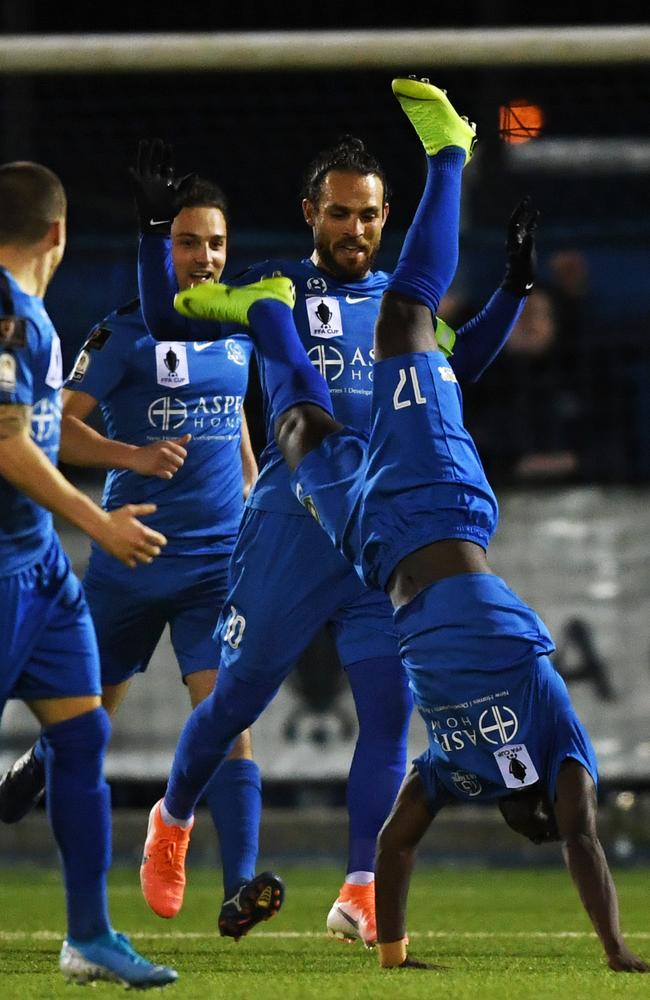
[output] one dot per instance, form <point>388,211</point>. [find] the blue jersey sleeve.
<point>17,352</point>
<point>157,284</point>
<point>100,364</point>
<point>480,340</point>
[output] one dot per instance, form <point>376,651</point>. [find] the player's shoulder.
<point>125,323</point>
<point>23,319</point>
<point>372,286</point>
<point>269,268</point>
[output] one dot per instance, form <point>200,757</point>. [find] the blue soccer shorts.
<point>130,608</point>
<point>48,645</point>
<point>286,581</point>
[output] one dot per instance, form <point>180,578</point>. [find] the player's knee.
<point>242,748</point>
<point>82,737</point>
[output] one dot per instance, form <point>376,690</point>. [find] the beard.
<point>354,270</point>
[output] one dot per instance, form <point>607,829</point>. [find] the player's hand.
<point>623,960</point>
<point>127,538</point>
<point>160,458</point>
<point>521,257</point>
<point>155,187</point>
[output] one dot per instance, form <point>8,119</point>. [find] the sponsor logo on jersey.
<point>324,315</point>
<point>328,360</point>
<point>202,415</point>
<point>167,413</point>
<point>353,299</point>
<point>235,352</point>
<point>54,377</point>
<point>467,783</point>
<point>45,419</point>
<point>7,372</point>
<point>516,766</point>
<point>13,331</point>
<point>446,373</point>
<point>171,365</point>
<point>318,285</point>
<point>498,724</point>
<point>203,344</point>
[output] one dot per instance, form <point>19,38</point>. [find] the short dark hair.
<point>31,199</point>
<point>201,193</point>
<point>348,154</point>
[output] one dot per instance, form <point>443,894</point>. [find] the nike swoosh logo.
<point>202,344</point>
<point>351,299</point>
<point>529,286</point>
<point>158,222</point>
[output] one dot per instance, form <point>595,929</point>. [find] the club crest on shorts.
<point>467,783</point>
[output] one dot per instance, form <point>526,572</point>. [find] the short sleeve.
<point>100,364</point>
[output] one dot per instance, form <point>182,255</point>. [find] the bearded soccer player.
<point>262,633</point>
<point>410,507</point>
<point>49,655</point>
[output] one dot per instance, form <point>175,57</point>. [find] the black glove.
<point>155,189</point>
<point>520,249</point>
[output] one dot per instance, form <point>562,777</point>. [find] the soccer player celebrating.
<point>49,653</point>
<point>345,202</point>
<point>411,508</point>
<point>177,436</point>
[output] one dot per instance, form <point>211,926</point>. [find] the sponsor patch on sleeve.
<point>97,339</point>
<point>7,372</point>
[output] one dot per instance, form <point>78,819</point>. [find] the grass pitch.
<point>501,935</point>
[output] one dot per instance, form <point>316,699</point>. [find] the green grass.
<point>502,935</point>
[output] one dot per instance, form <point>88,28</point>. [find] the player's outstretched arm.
<point>575,812</point>
<point>396,848</point>
<point>481,339</point>
<point>84,446</point>
<point>156,191</point>
<point>25,466</point>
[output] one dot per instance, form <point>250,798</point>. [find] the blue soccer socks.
<point>79,808</point>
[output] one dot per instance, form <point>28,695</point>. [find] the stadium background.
<point>565,430</point>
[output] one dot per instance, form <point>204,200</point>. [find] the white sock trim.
<point>170,820</point>
<point>360,878</point>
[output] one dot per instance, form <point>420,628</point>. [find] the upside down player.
<point>345,203</point>
<point>48,655</point>
<point>412,510</point>
<point>149,394</point>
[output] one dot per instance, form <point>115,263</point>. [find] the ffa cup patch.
<point>517,769</point>
<point>171,365</point>
<point>324,316</point>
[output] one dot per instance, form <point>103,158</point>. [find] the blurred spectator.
<point>526,413</point>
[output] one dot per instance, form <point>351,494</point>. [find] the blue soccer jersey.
<point>31,375</point>
<point>335,321</point>
<point>151,391</point>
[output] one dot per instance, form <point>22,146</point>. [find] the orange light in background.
<point>520,121</point>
